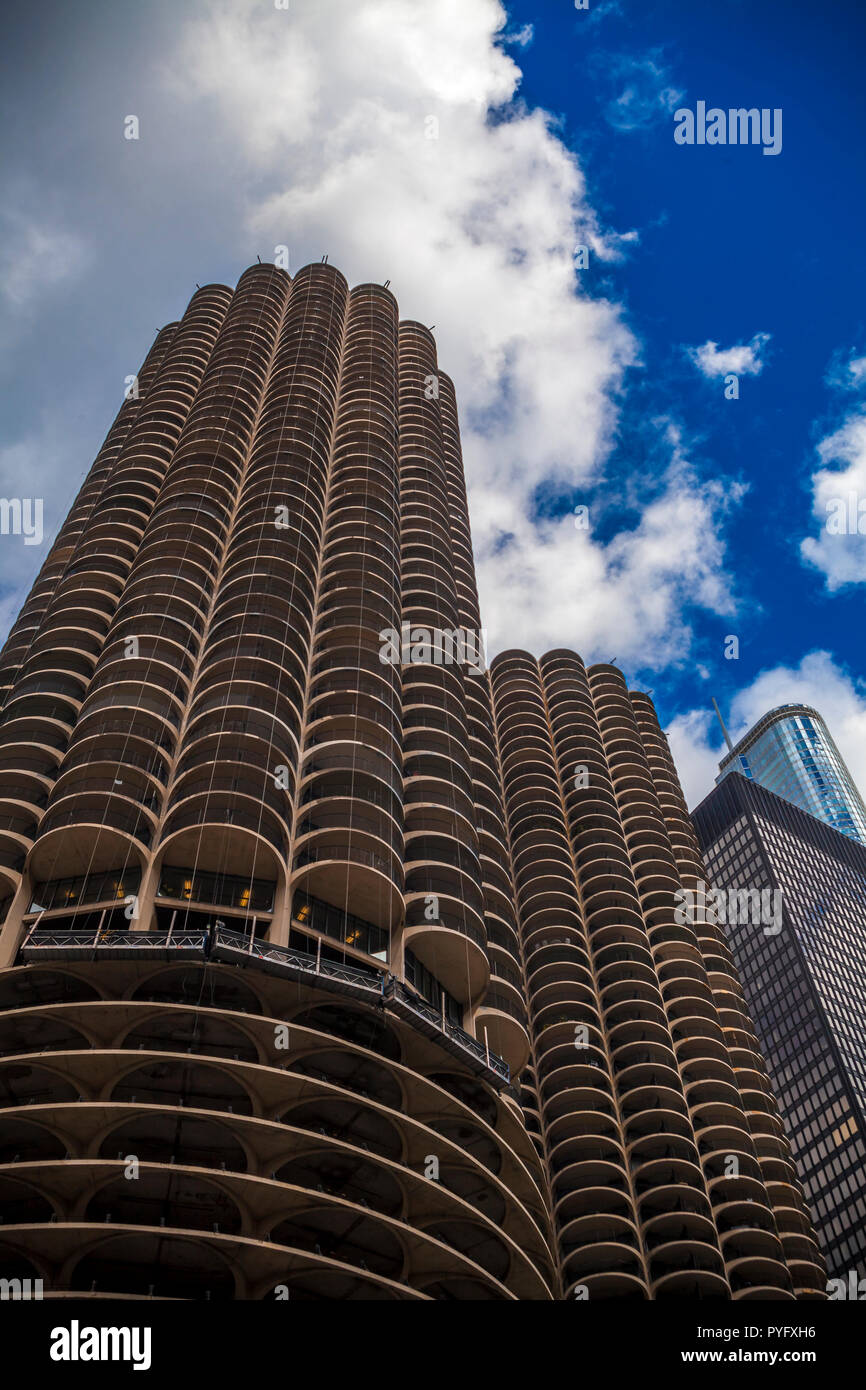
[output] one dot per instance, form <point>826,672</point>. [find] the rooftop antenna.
<point>325,259</point>
<point>386,284</point>
<point>259,259</point>
<point>722,722</point>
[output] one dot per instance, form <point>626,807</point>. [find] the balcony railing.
<point>61,945</point>
<point>452,1036</point>
<point>219,943</point>
<point>283,960</point>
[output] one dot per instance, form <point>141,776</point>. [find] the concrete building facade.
<point>332,965</point>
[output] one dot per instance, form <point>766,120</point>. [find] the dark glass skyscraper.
<point>791,752</point>
<point>804,973</point>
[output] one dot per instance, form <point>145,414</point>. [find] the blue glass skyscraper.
<point>790,751</point>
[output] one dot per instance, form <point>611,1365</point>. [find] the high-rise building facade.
<point>791,752</point>
<point>334,966</point>
<point>803,966</point>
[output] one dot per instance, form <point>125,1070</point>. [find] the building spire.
<point>722,722</point>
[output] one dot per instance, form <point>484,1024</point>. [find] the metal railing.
<point>220,943</point>
<point>51,945</point>
<point>232,945</point>
<point>397,994</point>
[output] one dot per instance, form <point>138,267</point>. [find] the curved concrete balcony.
<point>143,672</point>
<point>239,734</point>
<point>122,698</point>
<point>171,633</point>
<point>451,946</point>
<point>350,574</point>
<point>66,636</point>
<point>660,1096</point>
<point>205,524</point>
<point>223,821</point>
<point>352,869</point>
<point>556,1028</point>
<point>163,651</point>
<point>271,645</point>
<point>756,1277</point>
<point>544,864</point>
<point>169,542</point>
<point>16,838</point>
<point>352,717</point>
<point>593,1190</point>
<point>54,668</point>
<point>133,736</point>
<point>285,1172</point>
<point>102,774</point>
<point>40,703</point>
<point>555,943</point>
<point>231,782</point>
<point>430,690</point>
<point>342,733</point>
<point>93,837</point>
<point>27,771</point>
<point>348,815</point>
<point>500,1020</point>
<point>376,692</point>
<point>349,757</point>
<point>618,953</point>
<point>342,605</point>
<point>24,793</point>
<point>241,706</point>
<point>561,1061</point>
<point>443,777</point>
<point>580,1235</point>
<point>616,1254</point>
<point>548,901</point>
<point>167,588</point>
<point>160,615</point>
<point>348,785</point>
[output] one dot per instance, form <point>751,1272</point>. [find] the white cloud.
<point>625,599</point>
<point>521,37</point>
<point>696,739</point>
<point>839,505</point>
<point>327,110</point>
<point>847,371</point>
<point>37,253</point>
<point>645,93</point>
<point>745,359</point>
<point>696,746</point>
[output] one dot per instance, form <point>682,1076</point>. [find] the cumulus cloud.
<point>745,359</point>
<point>552,584</point>
<point>392,135</point>
<point>696,739</point>
<point>839,486</point>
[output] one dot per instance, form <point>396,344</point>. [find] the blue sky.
<point>732,243</point>
<point>463,149</point>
